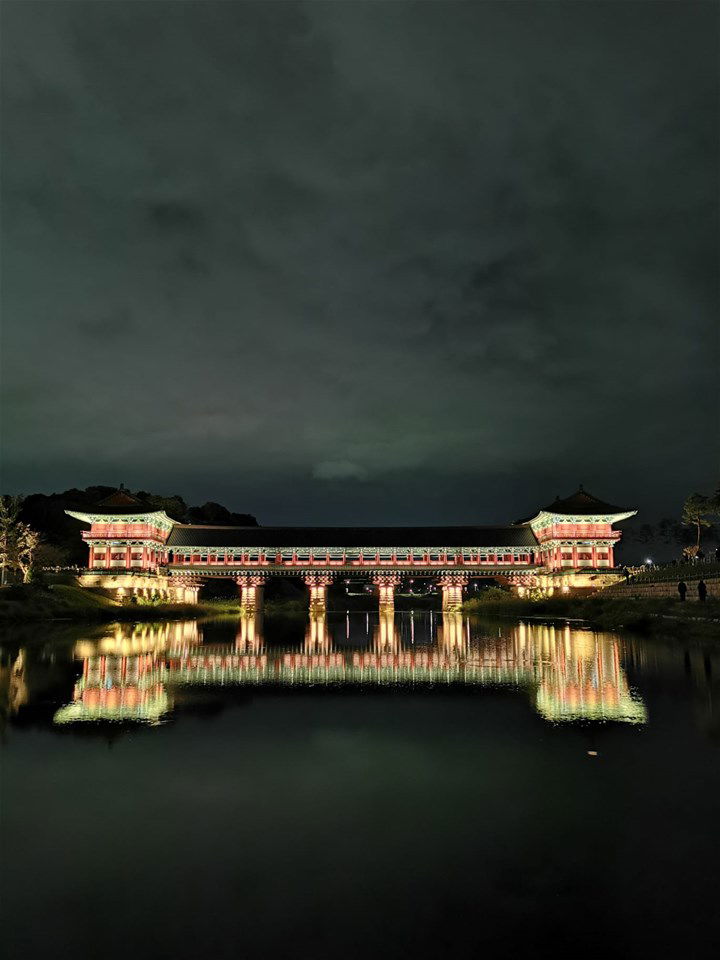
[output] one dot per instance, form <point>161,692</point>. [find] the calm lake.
<point>357,786</point>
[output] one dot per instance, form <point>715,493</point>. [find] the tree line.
<point>36,532</point>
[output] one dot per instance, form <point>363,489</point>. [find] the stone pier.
<point>251,594</point>
<point>317,584</point>
<point>186,589</point>
<point>452,591</point>
<point>386,584</point>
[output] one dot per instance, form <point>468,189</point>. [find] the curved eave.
<point>155,517</point>
<point>545,517</point>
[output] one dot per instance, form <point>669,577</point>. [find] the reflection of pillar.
<point>317,583</point>
<point>386,638</point>
<point>248,638</point>
<point>452,638</point>
<point>251,594</point>
<point>317,638</point>
<point>386,583</point>
<point>452,587</point>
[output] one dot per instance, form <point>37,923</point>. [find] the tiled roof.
<point>582,503</point>
<point>197,536</point>
<point>119,503</point>
<point>121,498</point>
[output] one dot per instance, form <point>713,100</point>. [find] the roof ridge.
<point>354,526</point>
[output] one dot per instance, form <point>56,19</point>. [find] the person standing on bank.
<point>702,591</point>
<point>682,589</point>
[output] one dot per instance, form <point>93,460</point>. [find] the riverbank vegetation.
<point>59,601</point>
<point>607,611</point>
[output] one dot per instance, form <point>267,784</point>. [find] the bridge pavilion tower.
<point>125,533</point>
<point>127,548</point>
<point>577,533</point>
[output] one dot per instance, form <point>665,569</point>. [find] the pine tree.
<point>696,510</point>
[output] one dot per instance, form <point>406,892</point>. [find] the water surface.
<point>357,786</point>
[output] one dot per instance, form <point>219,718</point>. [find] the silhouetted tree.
<point>696,510</point>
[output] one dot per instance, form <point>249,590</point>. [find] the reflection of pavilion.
<point>119,688</point>
<point>581,677</point>
<point>573,674</point>
<point>124,672</point>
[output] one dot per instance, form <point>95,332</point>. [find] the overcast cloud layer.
<point>362,261</point>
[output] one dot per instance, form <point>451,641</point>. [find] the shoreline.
<point>607,612</point>
<point>62,603</point>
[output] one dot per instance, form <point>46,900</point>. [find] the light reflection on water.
<point>375,787</point>
<point>135,672</point>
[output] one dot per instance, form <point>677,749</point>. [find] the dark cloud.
<point>115,326</point>
<point>171,217</point>
<point>463,253</point>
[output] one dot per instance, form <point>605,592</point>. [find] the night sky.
<point>354,262</point>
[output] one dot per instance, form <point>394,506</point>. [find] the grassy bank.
<point>290,609</point>
<point>62,601</point>
<point>23,602</point>
<point>602,610</point>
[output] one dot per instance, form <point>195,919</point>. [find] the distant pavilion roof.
<point>122,501</point>
<point>582,503</point>
<point>205,536</point>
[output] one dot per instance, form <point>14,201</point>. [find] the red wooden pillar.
<point>594,555</point>
<point>574,556</point>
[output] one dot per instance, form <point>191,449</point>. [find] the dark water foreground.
<point>357,787</point>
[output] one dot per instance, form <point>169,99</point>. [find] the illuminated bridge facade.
<point>134,548</point>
